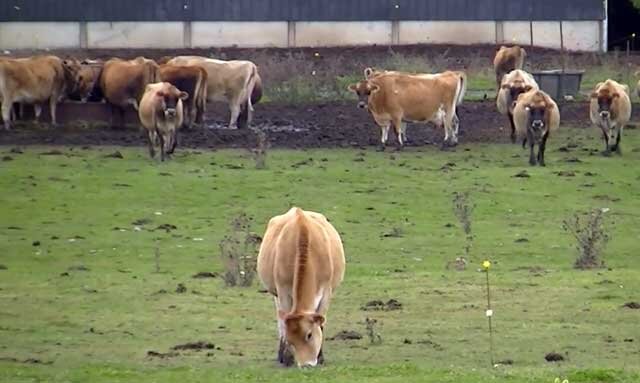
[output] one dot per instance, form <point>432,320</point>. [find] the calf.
<point>124,82</point>
<point>393,98</point>
<point>506,60</point>
<point>610,110</point>
<point>536,115</point>
<point>301,263</point>
<point>35,80</point>
<point>513,84</point>
<point>161,113</point>
<point>190,79</point>
<point>228,81</point>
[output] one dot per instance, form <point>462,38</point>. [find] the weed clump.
<point>463,210</point>
<point>238,253</point>
<point>590,232</point>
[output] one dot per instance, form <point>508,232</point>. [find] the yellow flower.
<point>486,264</point>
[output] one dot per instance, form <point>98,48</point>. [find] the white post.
<point>604,25</point>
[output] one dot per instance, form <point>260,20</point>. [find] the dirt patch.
<point>346,335</point>
<point>141,221</point>
<point>522,174</point>
<point>632,305</point>
<point>25,361</point>
<point>167,227</point>
<point>194,346</point>
<point>553,357</point>
<point>7,158</point>
<point>78,268</point>
<point>204,274</point>
<point>378,305</point>
<point>328,124</point>
<point>115,154</point>
<point>181,288</point>
<point>566,173</point>
<point>430,343</point>
<point>3,267</point>
<point>161,355</point>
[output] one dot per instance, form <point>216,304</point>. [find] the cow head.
<point>363,89</point>
<point>303,334</point>
<point>539,110</point>
<point>605,98</point>
<point>87,80</point>
<point>516,88</point>
<point>71,68</point>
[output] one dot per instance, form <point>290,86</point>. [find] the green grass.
<point>97,325</point>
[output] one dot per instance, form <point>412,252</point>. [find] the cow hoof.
<point>381,148</point>
<point>532,162</point>
<point>543,164</point>
<point>606,153</point>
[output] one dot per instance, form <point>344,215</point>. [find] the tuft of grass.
<point>591,235</point>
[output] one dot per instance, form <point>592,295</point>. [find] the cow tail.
<point>249,85</point>
<point>202,91</point>
<point>461,89</point>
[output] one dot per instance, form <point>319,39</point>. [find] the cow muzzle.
<point>362,105</point>
<point>311,363</point>
<point>170,113</point>
<point>605,114</point>
<point>537,124</point>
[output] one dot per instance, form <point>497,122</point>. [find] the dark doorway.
<point>624,21</point>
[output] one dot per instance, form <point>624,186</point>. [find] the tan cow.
<point>513,84</point>
<point>161,113</point>
<point>229,81</point>
<point>536,115</point>
<point>301,263</point>
<point>88,86</point>
<point>35,80</point>
<point>393,98</point>
<point>610,110</point>
<point>506,60</point>
<point>190,79</point>
<point>123,82</point>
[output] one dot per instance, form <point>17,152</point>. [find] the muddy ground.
<point>334,124</point>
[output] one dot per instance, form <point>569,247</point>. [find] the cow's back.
<point>33,79</point>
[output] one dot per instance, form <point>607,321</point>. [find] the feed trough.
<point>559,83</point>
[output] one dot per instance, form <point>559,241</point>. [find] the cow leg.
<point>384,135</point>
<point>234,107</point>
<point>397,127</point>
<point>162,151</point>
<point>607,150</point>
<point>37,112</point>
<point>513,128</point>
<point>174,142</point>
<point>616,147</point>
<point>456,123</point>
<point>532,157</point>
<point>283,304</point>
<point>6,112</point>
<point>541,149</point>
<point>151,140</point>
<point>53,103</point>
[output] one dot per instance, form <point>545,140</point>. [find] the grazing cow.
<point>506,60</point>
<point>301,263</point>
<point>88,87</point>
<point>536,115</point>
<point>228,81</point>
<point>513,84</point>
<point>393,98</point>
<point>610,110</point>
<point>190,79</point>
<point>161,113</point>
<point>124,82</point>
<point>36,80</point>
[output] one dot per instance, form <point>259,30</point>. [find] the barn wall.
<point>578,35</point>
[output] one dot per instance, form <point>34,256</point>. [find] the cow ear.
<point>527,88</point>
<point>184,95</point>
<point>368,72</point>
<point>353,88</point>
<point>374,88</point>
<point>318,319</point>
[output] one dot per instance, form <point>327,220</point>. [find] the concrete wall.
<point>578,35</point>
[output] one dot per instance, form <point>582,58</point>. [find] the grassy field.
<point>84,298</point>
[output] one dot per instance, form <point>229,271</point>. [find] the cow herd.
<point>393,98</point>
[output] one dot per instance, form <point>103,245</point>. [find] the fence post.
<point>291,34</point>
<point>186,34</point>
<point>84,35</point>
<point>395,32</point>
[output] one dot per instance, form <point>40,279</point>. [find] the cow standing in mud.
<point>394,98</point>
<point>536,115</point>
<point>513,85</point>
<point>161,114</point>
<point>610,110</point>
<point>301,263</point>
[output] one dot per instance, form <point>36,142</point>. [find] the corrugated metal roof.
<point>298,10</point>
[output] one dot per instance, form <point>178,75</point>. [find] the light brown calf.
<point>514,83</point>
<point>393,98</point>
<point>610,110</point>
<point>506,60</point>
<point>161,113</point>
<point>301,263</point>
<point>536,115</point>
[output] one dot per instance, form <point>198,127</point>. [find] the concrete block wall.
<point>577,35</point>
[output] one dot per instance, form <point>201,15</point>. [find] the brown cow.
<point>229,81</point>
<point>393,98</point>
<point>513,84</point>
<point>301,263</point>
<point>610,110</point>
<point>36,80</point>
<point>161,113</point>
<point>124,82</point>
<point>536,115</point>
<point>506,60</point>
<point>190,79</point>
<point>88,86</point>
